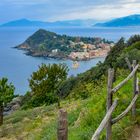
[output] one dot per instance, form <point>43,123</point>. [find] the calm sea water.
<point>18,67</point>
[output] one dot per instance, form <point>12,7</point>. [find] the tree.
<point>44,83</point>
<point>115,52</point>
<point>6,95</point>
<point>133,39</point>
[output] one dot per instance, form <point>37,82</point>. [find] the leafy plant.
<point>6,95</point>
<point>45,83</point>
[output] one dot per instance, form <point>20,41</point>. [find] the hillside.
<point>128,21</point>
<point>84,98</point>
<point>48,44</point>
<point>84,116</point>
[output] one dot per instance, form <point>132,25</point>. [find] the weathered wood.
<point>134,88</point>
<point>104,121</point>
<point>126,111</point>
<point>1,115</point>
<point>130,106</point>
<point>137,86</point>
<point>129,64</point>
<point>62,132</point>
<point>110,108</point>
<point>109,102</point>
<point>114,90</point>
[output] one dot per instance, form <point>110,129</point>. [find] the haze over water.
<point>18,67</point>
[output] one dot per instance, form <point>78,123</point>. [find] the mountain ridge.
<point>25,22</point>
<point>127,21</point>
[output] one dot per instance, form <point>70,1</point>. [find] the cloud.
<point>67,9</point>
<point>102,11</point>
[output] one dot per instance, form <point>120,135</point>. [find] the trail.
<point>136,133</point>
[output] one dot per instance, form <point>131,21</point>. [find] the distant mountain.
<point>26,22</point>
<point>77,22</point>
<point>132,20</point>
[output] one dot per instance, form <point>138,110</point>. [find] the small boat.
<point>75,65</point>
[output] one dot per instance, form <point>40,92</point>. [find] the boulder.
<point>14,105</point>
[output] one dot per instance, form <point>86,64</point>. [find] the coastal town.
<point>87,51</point>
<point>91,51</point>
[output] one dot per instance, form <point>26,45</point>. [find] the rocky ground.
<point>14,105</point>
<point>136,133</point>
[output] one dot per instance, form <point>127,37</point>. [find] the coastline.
<point>58,57</point>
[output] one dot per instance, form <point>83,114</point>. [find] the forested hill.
<point>46,43</point>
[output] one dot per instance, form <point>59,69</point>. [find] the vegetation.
<point>43,42</point>
<point>6,95</point>
<point>84,116</point>
<point>84,98</point>
<point>44,84</point>
<point>115,59</point>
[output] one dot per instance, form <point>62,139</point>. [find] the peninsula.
<point>51,45</point>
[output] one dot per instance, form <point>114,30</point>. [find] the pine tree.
<point>6,95</point>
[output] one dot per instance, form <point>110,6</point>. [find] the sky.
<point>54,10</point>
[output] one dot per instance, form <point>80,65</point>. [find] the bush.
<point>44,85</point>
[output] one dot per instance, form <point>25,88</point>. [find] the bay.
<point>18,67</point>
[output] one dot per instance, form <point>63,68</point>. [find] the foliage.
<point>133,39</point>
<point>6,95</point>
<point>84,116</point>
<point>115,59</point>
<point>115,53</point>
<point>6,91</point>
<point>82,91</point>
<point>45,82</point>
<point>66,86</point>
<point>132,53</point>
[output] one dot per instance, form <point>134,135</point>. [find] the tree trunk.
<point>1,115</point>
<point>58,102</point>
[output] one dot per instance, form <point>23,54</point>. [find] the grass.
<point>84,116</point>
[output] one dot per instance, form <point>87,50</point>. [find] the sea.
<point>18,67</point>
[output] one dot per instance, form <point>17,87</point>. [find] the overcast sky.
<point>52,10</point>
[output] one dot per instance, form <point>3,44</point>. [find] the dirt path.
<point>135,133</point>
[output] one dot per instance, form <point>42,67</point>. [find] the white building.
<point>55,51</point>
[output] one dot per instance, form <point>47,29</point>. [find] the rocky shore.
<point>59,55</point>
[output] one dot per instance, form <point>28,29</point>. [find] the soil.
<point>136,133</point>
